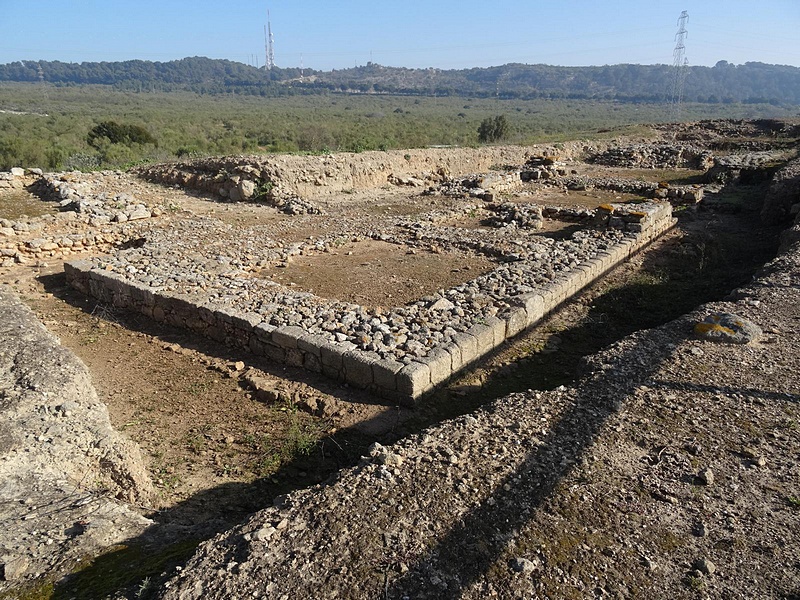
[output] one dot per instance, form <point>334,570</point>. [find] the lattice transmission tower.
<point>269,45</point>
<point>680,65</point>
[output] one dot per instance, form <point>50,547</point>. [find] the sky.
<point>325,34</point>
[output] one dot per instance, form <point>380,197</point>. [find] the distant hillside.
<point>751,82</point>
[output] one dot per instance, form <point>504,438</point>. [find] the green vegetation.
<point>54,128</point>
<point>493,129</point>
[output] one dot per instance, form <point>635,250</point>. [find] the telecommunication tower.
<point>269,44</point>
<point>680,65</point>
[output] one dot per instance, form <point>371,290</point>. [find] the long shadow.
<point>727,390</point>
<point>469,550</point>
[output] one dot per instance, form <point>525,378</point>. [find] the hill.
<point>751,82</point>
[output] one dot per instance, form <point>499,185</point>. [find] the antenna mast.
<point>680,65</point>
<point>269,44</point>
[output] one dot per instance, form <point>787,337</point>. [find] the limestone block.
<point>498,327</point>
<point>413,380</point>
<point>246,321</point>
<point>294,357</point>
<point>142,294</point>
<point>275,353</point>
<point>264,332</point>
<point>312,362</point>
<point>358,368</point>
<point>287,336</point>
<point>255,345</point>
<point>440,364</point>
<point>456,360</point>
<point>516,321</point>
<point>331,355</point>
<point>533,303</point>
<point>311,344</point>
<point>384,374</point>
<point>484,335</point>
<point>468,346</point>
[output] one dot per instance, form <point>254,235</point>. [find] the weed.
<point>694,582</point>
<point>131,568</point>
<point>263,190</point>
<point>794,501</point>
<point>196,442</point>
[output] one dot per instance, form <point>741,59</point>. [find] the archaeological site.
<point>554,371</point>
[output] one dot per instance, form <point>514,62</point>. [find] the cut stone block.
<point>484,336</point>
<point>498,327</point>
<point>440,364</point>
<point>384,374</point>
<point>264,332</point>
<point>311,344</point>
<point>413,380</point>
<point>533,303</point>
<point>246,321</point>
<point>468,346</point>
<point>516,321</point>
<point>287,336</point>
<point>358,368</point>
<point>456,360</point>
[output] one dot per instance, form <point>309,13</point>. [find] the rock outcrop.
<point>66,476</point>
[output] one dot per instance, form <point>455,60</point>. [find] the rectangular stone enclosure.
<point>403,383</point>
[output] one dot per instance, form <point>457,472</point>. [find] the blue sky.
<point>447,34</point>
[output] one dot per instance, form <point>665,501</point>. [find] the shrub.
<point>117,133</point>
<point>493,129</point>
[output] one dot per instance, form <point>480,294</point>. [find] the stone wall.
<point>405,383</point>
<point>783,199</point>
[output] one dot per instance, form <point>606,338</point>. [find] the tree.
<point>493,129</point>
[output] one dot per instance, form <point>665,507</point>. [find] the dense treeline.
<point>751,82</point>
<point>86,127</point>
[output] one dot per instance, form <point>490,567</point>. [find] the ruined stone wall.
<point>292,345</point>
<point>237,177</point>
<point>783,199</point>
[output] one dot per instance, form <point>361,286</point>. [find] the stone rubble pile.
<point>17,178</point>
<point>539,168</point>
<point>74,193</point>
<point>655,156</point>
<point>647,189</point>
<point>232,181</point>
<point>729,168</point>
<point>480,186</point>
<point>87,221</point>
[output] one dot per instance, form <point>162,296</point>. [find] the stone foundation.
<point>392,379</point>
